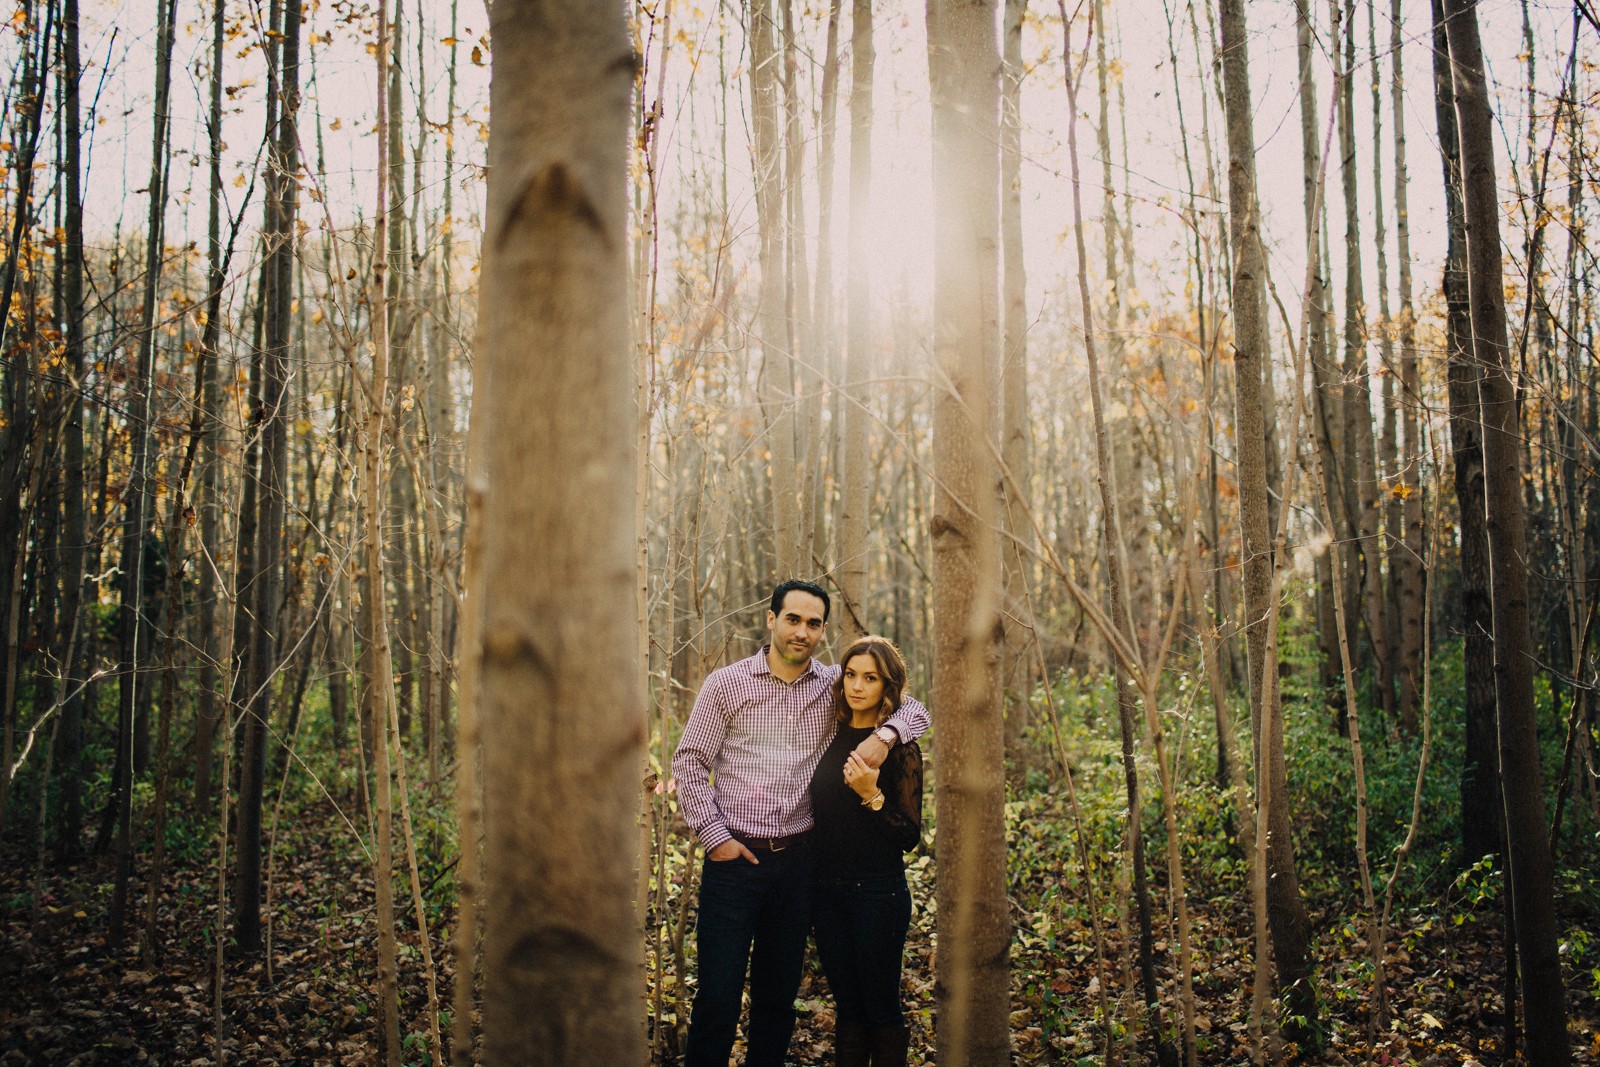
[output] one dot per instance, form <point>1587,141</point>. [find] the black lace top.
<point>854,841</point>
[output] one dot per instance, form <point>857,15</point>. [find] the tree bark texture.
<point>855,492</point>
<point>974,925</point>
<point>1015,427</point>
<point>563,711</point>
<point>74,533</point>
<point>273,476</point>
<point>777,358</point>
<point>1291,926</point>
<point>1482,811</point>
<point>133,627</point>
<point>1413,595</point>
<point>1544,995</point>
<point>1326,409</point>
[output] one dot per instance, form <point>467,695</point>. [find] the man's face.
<point>797,629</point>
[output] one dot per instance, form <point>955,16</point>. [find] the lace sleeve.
<point>902,792</point>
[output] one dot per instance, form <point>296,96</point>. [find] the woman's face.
<point>863,685</point>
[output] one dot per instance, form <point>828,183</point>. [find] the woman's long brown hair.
<point>891,668</point>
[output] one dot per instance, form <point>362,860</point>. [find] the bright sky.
<point>342,99</point>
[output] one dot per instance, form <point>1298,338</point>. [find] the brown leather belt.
<point>770,844</point>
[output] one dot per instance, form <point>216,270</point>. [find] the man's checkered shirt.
<point>762,739</point>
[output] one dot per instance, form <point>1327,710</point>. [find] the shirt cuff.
<point>712,835</point>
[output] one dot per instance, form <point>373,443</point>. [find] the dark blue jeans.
<point>861,937</point>
<point>752,917</point>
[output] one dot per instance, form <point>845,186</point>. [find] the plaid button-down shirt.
<point>762,738</point>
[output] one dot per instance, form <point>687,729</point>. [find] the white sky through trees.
<point>119,71</point>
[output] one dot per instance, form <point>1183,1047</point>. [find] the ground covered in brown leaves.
<point>69,997</point>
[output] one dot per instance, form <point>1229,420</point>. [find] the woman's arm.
<point>902,796</point>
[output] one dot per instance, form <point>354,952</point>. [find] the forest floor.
<point>67,997</point>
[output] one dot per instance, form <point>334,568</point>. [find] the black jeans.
<point>861,937</point>
<point>755,917</point>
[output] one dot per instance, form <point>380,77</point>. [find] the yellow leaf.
<point>477,56</point>
<point>336,124</point>
<point>1431,1022</point>
<point>238,181</point>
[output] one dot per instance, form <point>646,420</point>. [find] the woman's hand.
<point>860,777</point>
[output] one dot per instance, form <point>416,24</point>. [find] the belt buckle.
<point>772,844</point>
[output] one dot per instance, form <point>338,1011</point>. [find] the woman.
<point>866,820</point>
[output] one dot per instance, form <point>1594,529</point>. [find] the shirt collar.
<point>760,666</point>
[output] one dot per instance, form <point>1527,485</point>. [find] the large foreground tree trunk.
<point>1291,926</point>
<point>563,709</point>
<point>1532,873</point>
<point>974,919</point>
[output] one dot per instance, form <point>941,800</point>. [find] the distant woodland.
<point>403,409</point>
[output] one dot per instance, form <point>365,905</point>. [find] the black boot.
<point>888,1045</point>
<point>850,1044</point>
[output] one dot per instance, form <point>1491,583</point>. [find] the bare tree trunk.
<point>777,359</point>
<point>446,449</point>
<point>1413,596</point>
<point>74,530</point>
<point>133,628</point>
<point>469,796</point>
<point>378,684</point>
<point>1573,519</point>
<point>273,477</point>
<point>825,350</point>
<point>1360,445</point>
<point>1324,422</point>
<point>209,647</point>
<point>402,562</point>
<point>1016,431</point>
<point>1544,997</point>
<point>563,713</point>
<point>1482,811</point>
<point>797,301</point>
<point>855,491</point>
<point>1387,469</point>
<point>1116,607</point>
<point>974,919</point>
<point>202,420</point>
<point>1291,928</point>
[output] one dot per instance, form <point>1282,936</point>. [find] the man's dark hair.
<point>794,585</point>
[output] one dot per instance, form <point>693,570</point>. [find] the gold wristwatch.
<point>875,801</point>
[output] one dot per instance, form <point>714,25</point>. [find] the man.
<point>761,725</point>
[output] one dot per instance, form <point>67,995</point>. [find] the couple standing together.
<point>803,782</point>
